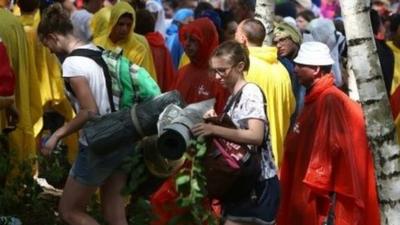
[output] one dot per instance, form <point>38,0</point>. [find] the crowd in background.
<point>175,41</point>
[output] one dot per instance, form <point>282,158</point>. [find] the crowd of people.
<point>298,103</point>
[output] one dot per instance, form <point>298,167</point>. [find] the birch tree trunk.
<point>265,13</point>
<point>379,122</point>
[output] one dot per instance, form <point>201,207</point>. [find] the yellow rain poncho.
<point>135,47</point>
<point>184,60</point>
<point>272,77</point>
<point>27,95</point>
<point>47,69</point>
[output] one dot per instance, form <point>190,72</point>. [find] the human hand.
<point>210,113</point>
<point>49,145</point>
<point>12,115</point>
<point>202,129</point>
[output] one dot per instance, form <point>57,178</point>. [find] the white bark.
<point>380,129</point>
<point>265,13</point>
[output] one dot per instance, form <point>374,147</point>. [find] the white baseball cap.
<point>314,53</point>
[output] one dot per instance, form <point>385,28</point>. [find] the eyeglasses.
<point>220,71</point>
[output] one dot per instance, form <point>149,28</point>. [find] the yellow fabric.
<point>27,94</point>
<point>99,22</point>
<point>149,63</point>
<point>396,81</point>
<point>46,67</point>
<point>273,78</point>
<point>184,60</point>
<point>135,47</point>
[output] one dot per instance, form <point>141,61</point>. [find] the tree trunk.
<point>379,122</point>
<point>265,13</point>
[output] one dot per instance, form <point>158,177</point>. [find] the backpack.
<point>126,82</point>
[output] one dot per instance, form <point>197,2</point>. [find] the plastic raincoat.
<point>162,61</point>
<point>27,95</point>
<point>327,151</point>
<point>172,38</point>
<point>7,78</point>
<point>47,69</point>
<point>273,78</point>
<point>193,81</point>
<point>135,46</point>
<point>193,84</point>
<point>395,90</point>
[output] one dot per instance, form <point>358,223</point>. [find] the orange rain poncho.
<point>327,151</point>
<point>135,46</point>
<point>193,81</point>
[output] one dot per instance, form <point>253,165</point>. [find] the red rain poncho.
<point>327,151</point>
<point>7,77</point>
<point>162,61</point>
<point>193,82</point>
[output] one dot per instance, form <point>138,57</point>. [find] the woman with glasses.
<point>228,64</point>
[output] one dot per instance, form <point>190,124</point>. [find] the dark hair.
<point>394,22</point>
<point>226,18</point>
<point>285,9</point>
<point>55,19</point>
<point>375,21</point>
<point>307,15</point>
<point>235,51</point>
<point>201,7</point>
<point>250,4</point>
<point>28,6</point>
<point>326,69</point>
<point>254,31</point>
<point>145,22</point>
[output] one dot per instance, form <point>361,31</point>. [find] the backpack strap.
<point>97,57</point>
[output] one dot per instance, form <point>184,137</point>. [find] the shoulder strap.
<point>234,100</point>
<point>97,57</point>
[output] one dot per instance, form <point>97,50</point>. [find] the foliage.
<point>21,197</point>
<point>55,167</point>
<point>135,167</point>
<point>190,183</point>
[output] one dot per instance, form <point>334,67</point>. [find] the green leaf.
<point>201,151</point>
<point>195,185</point>
<point>182,179</point>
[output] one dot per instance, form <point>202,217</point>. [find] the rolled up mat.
<point>175,138</point>
<point>106,133</point>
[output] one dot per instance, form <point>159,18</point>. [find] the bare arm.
<point>252,136</point>
<point>87,109</point>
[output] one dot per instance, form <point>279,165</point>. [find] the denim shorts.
<point>91,169</point>
<point>260,208</point>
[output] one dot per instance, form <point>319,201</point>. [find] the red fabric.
<point>164,205</point>
<point>327,151</point>
<point>395,103</point>
<point>195,85</point>
<point>193,81</point>
<point>204,31</point>
<point>162,61</point>
<point>7,77</point>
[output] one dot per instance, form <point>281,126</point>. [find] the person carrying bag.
<point>251,139</point>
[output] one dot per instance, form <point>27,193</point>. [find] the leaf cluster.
<point>191,185</point>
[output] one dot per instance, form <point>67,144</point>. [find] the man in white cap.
<point>327,175</point>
